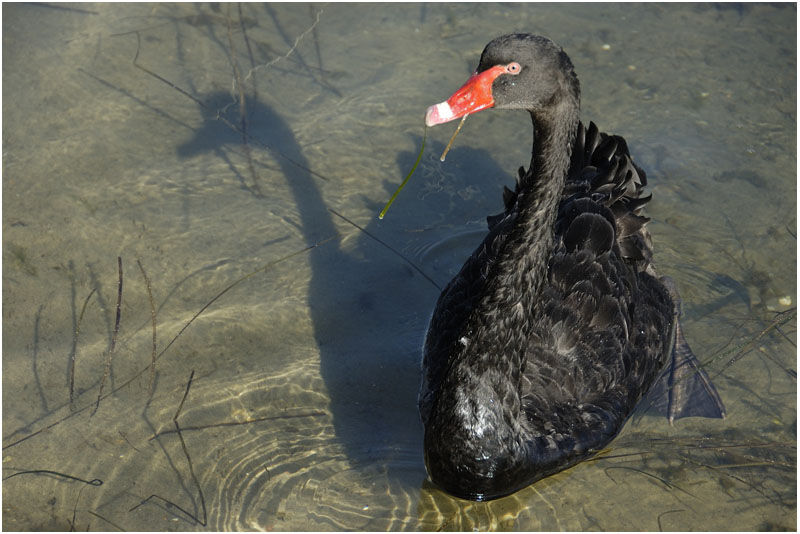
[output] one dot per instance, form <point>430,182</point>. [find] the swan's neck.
<point>553,139</point>
<point>523,266</point>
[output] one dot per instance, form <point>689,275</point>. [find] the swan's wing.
<point>603,173</point>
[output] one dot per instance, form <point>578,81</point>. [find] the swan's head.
<point>517,71</point>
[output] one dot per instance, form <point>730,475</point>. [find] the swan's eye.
<point>513,68</point>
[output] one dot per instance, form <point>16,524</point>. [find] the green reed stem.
<point>419,158</point>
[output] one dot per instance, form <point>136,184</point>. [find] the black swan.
<point>542,345</point>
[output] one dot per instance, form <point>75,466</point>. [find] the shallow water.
<point>299,316</point>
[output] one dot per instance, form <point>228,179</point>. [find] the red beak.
<point>473,96</point>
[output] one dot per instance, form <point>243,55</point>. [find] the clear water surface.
<point>237,168</point>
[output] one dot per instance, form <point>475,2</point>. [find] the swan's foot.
<point>685,384</point>
<point>691,393</point>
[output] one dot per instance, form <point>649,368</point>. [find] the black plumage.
<point>557,325</point>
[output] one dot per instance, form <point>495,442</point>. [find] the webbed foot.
<point>684,388</point>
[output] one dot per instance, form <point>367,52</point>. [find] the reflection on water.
<point>242,161</point>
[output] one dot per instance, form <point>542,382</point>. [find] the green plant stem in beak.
<point>447,148</point>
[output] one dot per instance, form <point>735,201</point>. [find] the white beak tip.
<point>438,114</point>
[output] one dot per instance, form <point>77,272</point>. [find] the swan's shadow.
<point>368,306</point>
